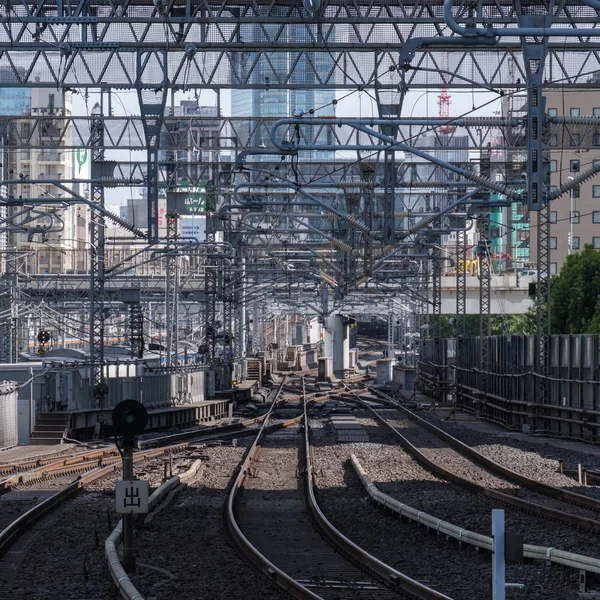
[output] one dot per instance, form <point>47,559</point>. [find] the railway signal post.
<point>131,496</point>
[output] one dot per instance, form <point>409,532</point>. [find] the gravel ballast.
<point>63,555</point>
<point>184,552</point>
<point>537,460</point>
<point>409,548</point>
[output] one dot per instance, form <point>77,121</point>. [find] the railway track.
<point>452,460</point>
<point>273,517</point>
<point>63,488</point>
<point>51,478</point>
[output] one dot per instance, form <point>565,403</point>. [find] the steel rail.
<point>65,459</point>
<point>462,448</point>
<point>20,525</point>
<point>234,531</point>
<point>370,563</point>
<point>432,466</point>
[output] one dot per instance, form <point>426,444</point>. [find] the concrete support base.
<point>337,343</point>
<point>353,358</point>
<point>385,373</point>
<point>325,369</point>
<point>403,379</point>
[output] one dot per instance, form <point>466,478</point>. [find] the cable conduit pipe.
<point>120,578</point>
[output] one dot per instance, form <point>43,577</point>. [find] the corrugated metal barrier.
<point>512,392</point>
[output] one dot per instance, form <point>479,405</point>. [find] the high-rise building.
<point>56,236</point>
<point>513,158</point>
<point>197,150</point>
<point>271,101</point>
<point>575,215</point>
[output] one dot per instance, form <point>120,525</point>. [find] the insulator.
<point>497,186</point>
<point>569,185</point>
<point>356,224</point>
<point>583,120</point>
<point>488,122</point>
<point>355,184</point>
<point>340,245</point>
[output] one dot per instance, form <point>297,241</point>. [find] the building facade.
<point>48,237</point>
<point>575,215</point>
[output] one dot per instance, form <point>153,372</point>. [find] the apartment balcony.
<point>50,157</point>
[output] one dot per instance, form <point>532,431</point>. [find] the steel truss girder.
<point>237,133</point>
<point>234,67</point>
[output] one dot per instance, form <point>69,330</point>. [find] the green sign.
<point>81,157</point>
<point>186,199</point>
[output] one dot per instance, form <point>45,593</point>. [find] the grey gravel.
<point>537,460</point>
<point>460,573</point>
<point>185,550</point>
<point>64,553</point>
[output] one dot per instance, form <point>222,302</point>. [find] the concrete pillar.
<point>325,368</point>
<point>313,330</point>
<point>385,368</point>
<point>337,344</point>
<point>353,360</point>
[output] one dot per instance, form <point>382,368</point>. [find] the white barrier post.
<point>498,562</point>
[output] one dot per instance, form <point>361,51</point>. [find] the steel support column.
<point>9,307</point>
<point>461,307</point>
<point>152,108</point>
<point>172,292</point>
<point>535,51</point>
<point>136,329</point>
<point>485,290</point>
<point>97,255</point>
<point>210,288</point>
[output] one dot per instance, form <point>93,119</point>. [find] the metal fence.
<point>67,388</point>
<point>565,403</point>
<point>8,414</point>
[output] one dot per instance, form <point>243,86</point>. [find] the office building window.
<point>553,268</point>
<point>596,242</point>
<point>596,191</point>
<point>596,216</point>
<point>596,139</point>
<point>553,112</point>
<point>553,166</point>
<point>574,166</point>
<point>576,192</point>
<point>574,112</point>
<point>552,217</point>
<point>575,243</point>
<point>596,112</point>
<point>553,243</point>
<point>575,139</point>
<point>575,217</point>
<point>553,140</point>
